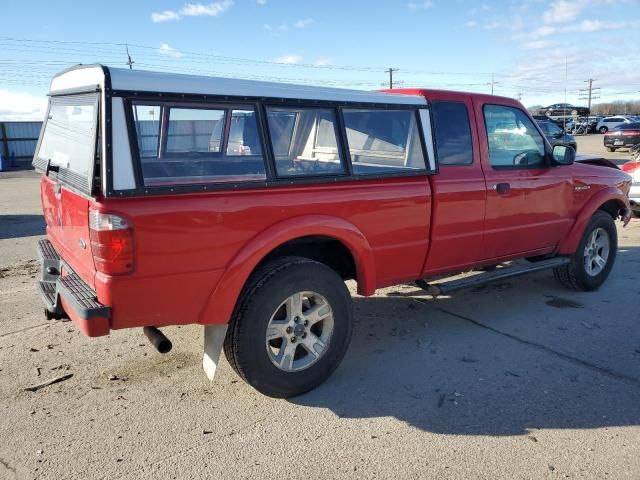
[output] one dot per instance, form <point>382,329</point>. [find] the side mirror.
<point>563,155</point>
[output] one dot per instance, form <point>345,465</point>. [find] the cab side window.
<point>453,133</point>
<point>513,139</point>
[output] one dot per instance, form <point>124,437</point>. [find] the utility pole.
<point>130,62</point>
<point>390,72</point>
<point>590,93</point>
<point>493,83</point>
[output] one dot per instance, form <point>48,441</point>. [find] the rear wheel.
<point>594,257</point>
<point>292,327</point>
<point>611,149</point>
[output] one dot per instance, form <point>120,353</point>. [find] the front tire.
<point>603,130</point>
<point>594,257</point>
<point>291,327</point>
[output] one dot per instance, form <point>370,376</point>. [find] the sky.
<point>540,51</point>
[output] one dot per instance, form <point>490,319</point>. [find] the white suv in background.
<point>609,123</point>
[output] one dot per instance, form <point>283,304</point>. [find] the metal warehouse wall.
<point>19,138</point>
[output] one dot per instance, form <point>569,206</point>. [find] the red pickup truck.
<point>244,206</point>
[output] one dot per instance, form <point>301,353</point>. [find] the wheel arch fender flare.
<point>569,244</point>
<point>221,302</point>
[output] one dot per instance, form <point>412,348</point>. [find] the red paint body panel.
<point>66,214</point>
<point>194,252</point>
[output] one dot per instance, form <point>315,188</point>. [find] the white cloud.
<point>303,23</point>
<point>169,51</point>
<point>21,106</point>
<point>164,16</point>
<point>261,2</point>
<point>492,25</point>
<point>211,9</point>
<point>564,11</point>
<point>275,29</point>
<point>537,44</point>
<point>194,10</point>
<point>289,59</point>
<point>420,6</point>
<point>323,62</point>
<point>471,24</point>
<point>586,26</point>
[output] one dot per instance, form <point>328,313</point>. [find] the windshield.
<point>549,128</point>
<point>69,138</point>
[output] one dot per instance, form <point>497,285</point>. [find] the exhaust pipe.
<point>161,343</point>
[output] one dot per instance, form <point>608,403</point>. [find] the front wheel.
<point>594,257</point>
<point>603,130</point>
<point>291,328</point>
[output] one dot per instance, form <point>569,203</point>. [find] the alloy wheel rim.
<point>596,252</point>
<point>299,331</point>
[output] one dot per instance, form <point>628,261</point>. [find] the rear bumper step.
<point>69,294</point>
<point>443,287</point>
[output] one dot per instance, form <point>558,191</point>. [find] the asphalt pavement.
<point>521,379</point>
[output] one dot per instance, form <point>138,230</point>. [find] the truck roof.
<point>92,76</point>
<point>427,92</point>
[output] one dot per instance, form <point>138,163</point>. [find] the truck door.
<point>528,199</point>
<point>459,191</point>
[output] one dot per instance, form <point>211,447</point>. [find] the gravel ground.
<point>522,379</point>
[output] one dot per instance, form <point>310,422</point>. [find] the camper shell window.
<point>180,144</point>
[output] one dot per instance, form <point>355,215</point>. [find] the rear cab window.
<point>452,133</point>
<point>69,139</point>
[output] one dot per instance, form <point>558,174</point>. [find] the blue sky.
<point>522,45</point>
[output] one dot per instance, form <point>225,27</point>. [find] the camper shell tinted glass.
<point>180,144</point>
<point>259,142</point>
<point>69,139</point>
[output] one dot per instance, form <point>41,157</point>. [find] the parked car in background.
<point>592,123</point>
<point>622,136</point>
<point>556,135</point>
<point>563,110</point>
<point>633,169</point>
<point>609,123</point>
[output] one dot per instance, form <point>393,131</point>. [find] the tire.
<point>603,130</point>
<point>575,274</point>
<point>268,368</point>
<point>611,149</point>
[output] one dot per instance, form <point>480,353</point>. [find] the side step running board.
<point>443,287</point>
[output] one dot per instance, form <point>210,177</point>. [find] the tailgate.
<point>67,216</point>
<point>67,156</point>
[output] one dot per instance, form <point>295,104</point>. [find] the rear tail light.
<point>111,243</point>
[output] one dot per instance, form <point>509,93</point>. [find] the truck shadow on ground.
<point>513,361</point>
<point>17,226</point>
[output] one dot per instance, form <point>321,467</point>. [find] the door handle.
<point>502,188</point>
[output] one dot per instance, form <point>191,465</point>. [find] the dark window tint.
<point>513,139</point>
<point>550,128</point>
<point>305,141</point>
<point>453,133</point>
<point>198,145</point>
<point>628,126</point>
<point>383,141</point>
